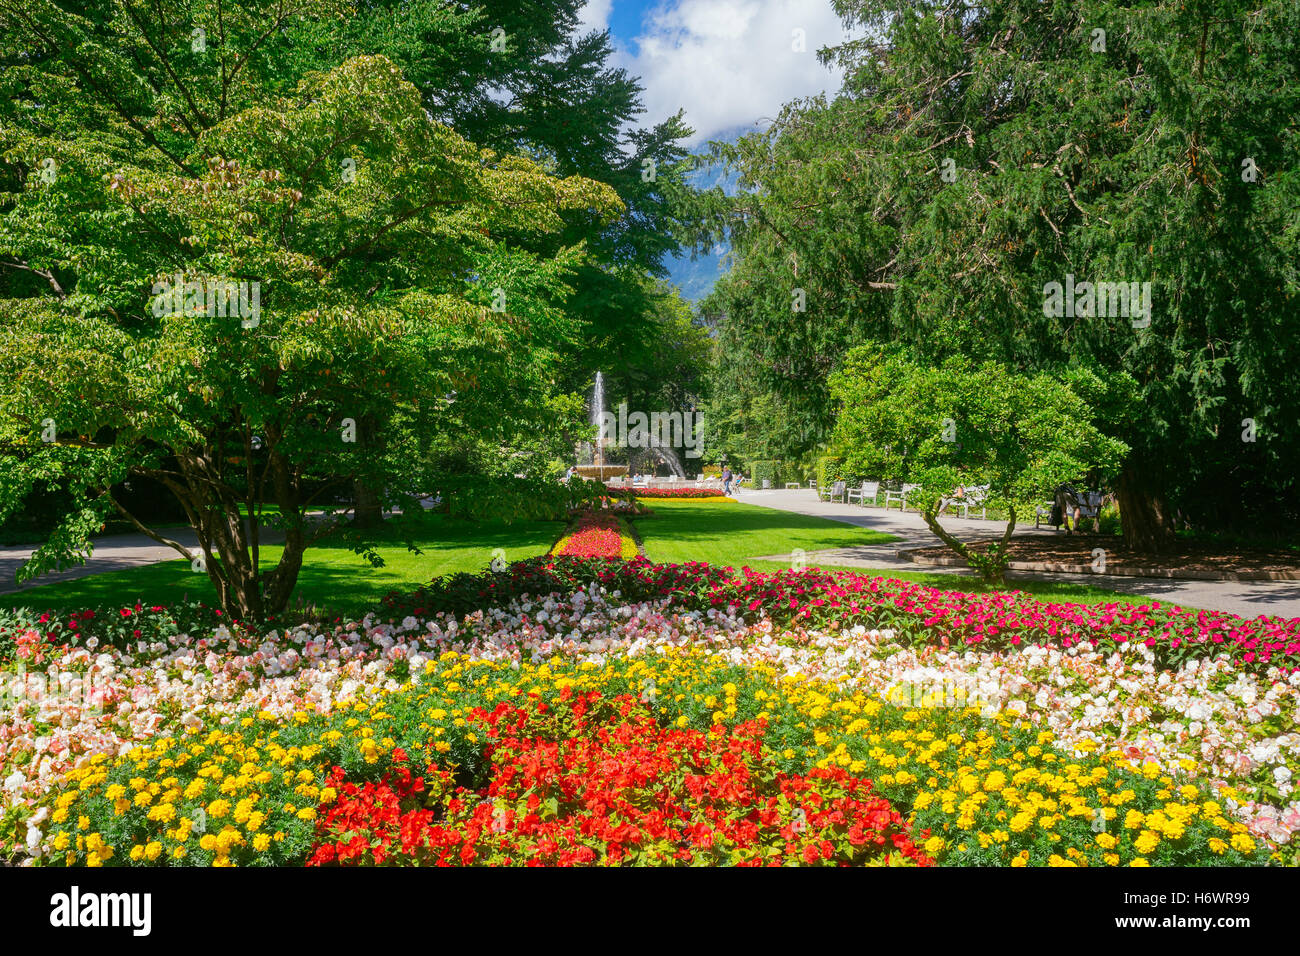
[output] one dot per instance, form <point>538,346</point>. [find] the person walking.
<point>726,480</point>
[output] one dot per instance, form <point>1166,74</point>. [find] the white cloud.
<point>594,15</point>
<point>731,63</point>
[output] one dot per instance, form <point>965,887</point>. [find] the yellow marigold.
<point>1242,843</point>
<point>1147,841</point>
<point>163,813</point>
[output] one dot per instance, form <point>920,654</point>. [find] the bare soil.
<point>1077,549</point>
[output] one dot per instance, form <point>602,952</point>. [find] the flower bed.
<point>594,780</point>
<point>987,790</point>
<point>1003,620</point>
<point>708,494</point>
<point>596,535</point>
<point>1204,751</point>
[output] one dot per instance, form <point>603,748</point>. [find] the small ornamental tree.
<point>965,425</point>
<point>328,283</point>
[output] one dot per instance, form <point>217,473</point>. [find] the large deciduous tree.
<point>966,425</point>
<point>228,308</point>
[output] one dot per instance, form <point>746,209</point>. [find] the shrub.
<point>772,470</point>
<point>830,469</point>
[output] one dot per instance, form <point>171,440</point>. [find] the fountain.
<point>598,469</point>
<point>645,439</point>
<point>598,418</point>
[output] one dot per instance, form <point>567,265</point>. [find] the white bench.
<point>792,484</point>
<point>838,490</point>
<point>900,496</point>
<point>976,497</point>
<point>868,488</point>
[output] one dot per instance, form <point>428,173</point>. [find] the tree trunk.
<point>990,563</point>
<point>367,512</point>
<point>1145,519</point>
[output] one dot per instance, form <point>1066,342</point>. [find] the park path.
<point>114,552</point>
<point>1246,598</point>
<point>117,552</point>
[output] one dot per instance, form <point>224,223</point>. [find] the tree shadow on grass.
<point>332,577</point>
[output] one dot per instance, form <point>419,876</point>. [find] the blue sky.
<point>730,64</point>
<point>625,19</point>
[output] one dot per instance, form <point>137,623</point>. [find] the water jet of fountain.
<point>598,418</point>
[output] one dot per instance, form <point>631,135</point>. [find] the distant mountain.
<point>697,278</point>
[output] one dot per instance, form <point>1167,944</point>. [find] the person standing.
<point>726,480</point>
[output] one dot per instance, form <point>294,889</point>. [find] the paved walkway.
<point>1246,598</point>
<point>118,552</point>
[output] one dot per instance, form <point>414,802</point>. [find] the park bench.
<point>976,497</point>
<point>1061,509</point>
<point>900,495</point>
<point>792,484</point>
<point>837,490</point>
<point>867,488</point>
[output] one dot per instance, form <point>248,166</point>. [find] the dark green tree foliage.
<point>138,147</point>
<point>506,75</point>
<point>977,153</point>
<point>512,76</point>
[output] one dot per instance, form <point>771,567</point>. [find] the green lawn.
<point>733,533</point>
<point>730,533</point>
<point>332,576</point>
